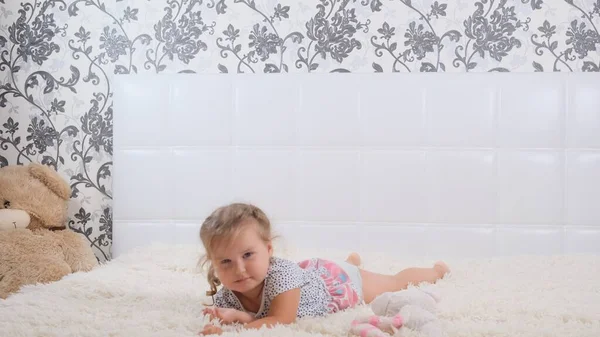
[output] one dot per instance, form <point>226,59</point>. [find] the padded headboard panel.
<point>453,164</point>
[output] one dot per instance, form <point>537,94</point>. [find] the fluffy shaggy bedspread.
<point>158,291</point>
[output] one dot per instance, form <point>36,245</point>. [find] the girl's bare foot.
<point>354,259</point>
<point>441,268</point>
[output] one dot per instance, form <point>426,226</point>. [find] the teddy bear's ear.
<point>50,178</point>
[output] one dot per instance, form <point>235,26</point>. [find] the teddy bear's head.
<point>33,197</point>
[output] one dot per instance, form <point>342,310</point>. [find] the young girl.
<point>260,289</point>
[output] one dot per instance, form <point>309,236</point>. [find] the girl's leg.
<point>376,284</point>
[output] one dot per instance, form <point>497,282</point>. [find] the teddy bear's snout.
<point>11,219</point>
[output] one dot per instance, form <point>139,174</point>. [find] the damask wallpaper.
<point>58,59</point>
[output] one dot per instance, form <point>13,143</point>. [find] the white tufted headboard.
<point>453,164</point>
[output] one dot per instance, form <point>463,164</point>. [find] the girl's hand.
<point>210,329</point>
<point>225,315</point>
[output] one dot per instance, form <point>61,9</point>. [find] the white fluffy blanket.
<point>157,292</point>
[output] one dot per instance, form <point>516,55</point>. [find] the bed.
<point>497,174</point>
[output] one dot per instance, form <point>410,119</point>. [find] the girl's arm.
<point>283,310</point>
<point>228,315</point>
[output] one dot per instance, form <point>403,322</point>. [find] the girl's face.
<point>241,262</point>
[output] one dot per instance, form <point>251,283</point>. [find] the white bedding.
<point>156,292</point>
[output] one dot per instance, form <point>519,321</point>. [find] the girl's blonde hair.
<point>223,223</point>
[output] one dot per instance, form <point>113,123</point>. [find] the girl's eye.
<point>247,255</point>
<point>7,204</point>
<point>225,261</point>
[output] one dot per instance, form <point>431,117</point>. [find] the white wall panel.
<point>413,164</point>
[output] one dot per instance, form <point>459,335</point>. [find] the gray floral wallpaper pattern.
<point>58,59</point>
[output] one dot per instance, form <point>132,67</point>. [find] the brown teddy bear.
<point>35,244</point>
